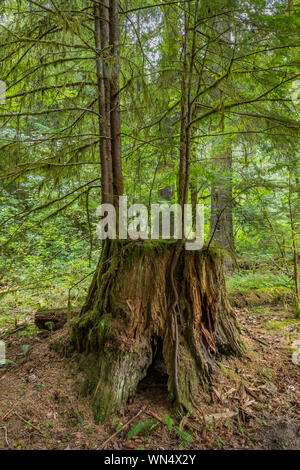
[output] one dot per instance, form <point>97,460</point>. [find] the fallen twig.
<point>253,337</point>
<point>216,416</point>
<point>122,428</point>
<point>12,332</point>
<point>7,413</point>
<point>27,422</point>
<point>5,434</point>
<point>154,415</point>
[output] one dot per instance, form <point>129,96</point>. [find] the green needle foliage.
<point>243,85</point>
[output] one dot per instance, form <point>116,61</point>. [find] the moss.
<point>114,382</point>
<point>104,329</point>
<point>281,290</point>
<point>297,308</point>
<point>279,325</point>
<point>260,296</point>
<point>214,251</point>
<point>229,373</point>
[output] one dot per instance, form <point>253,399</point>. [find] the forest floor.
<point>254,401</point>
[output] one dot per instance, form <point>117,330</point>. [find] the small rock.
<point>31,378</point>
<point>272,389</point>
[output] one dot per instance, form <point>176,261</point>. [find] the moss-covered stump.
<point>129,307</point>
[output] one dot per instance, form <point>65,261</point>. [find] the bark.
<point>129,308</point>
<point>184,129</point>
<point>115,103</point>
<point>108,70</point>
<point>102,41</point>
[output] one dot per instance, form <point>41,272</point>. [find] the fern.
<point>7,361</point>
<point>144,427</point>
<point>185,436</point>
<point>169,422</point>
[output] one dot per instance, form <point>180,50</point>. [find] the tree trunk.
<point>128,310</point>
<point>221,224</point>
<point>101,34</point>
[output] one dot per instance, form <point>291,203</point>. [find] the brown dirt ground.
<point>253,404</point>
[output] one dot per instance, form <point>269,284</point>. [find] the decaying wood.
<point>53,319</point>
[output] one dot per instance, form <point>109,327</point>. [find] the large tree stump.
<point>128,309</point>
